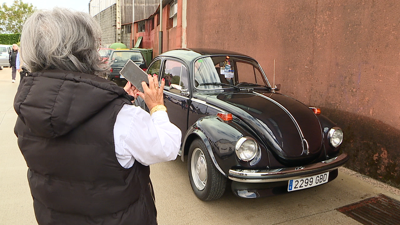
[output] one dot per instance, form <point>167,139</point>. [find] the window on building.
<point>127,29</point>
<point>173,14</point>
<point>141,26</point>
<point>151,21</point>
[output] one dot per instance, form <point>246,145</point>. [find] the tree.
<point>13,18</point>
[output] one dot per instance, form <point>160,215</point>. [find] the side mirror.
<point>143,66</point>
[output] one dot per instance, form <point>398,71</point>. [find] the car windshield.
<point>123,56</point>
<point>105,52</point>
<point>217,72</point>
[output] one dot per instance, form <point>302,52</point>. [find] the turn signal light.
<point>225,116</point>
<point>316,110</point>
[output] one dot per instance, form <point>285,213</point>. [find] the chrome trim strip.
<point>208,105</point>
<point>285,174</point>
<point>175,94</point>
<point>291,117</point>
<point>199,101</point>
<point>215,162</point>
<point>212,156</point>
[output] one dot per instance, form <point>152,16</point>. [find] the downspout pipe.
<point>133,25</point>
<point>160,34</point>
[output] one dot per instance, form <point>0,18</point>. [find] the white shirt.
<point>147,139</point>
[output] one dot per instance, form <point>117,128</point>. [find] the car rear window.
<point>122,57</point>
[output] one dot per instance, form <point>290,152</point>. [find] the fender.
<point>326,125</point>
<point>219,138</point>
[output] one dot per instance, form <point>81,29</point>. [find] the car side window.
<point>176,76</point>
<point>154,68</point>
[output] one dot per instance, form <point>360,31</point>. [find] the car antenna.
<point>273,80</point>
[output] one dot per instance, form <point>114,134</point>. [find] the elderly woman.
<point>87,147</point>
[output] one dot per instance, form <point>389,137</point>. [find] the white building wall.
<point>96,6</point>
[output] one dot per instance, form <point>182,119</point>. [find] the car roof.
<point>189,55</point>
<point>125,50</point>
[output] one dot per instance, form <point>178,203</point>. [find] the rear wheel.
<point>206,181</point>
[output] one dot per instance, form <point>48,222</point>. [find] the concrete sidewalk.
<point>15,198</point>
<point>176,204</point>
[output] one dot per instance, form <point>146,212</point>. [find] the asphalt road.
<point>175,201</point>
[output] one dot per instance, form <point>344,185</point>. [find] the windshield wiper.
<point>215,83</point>
<point>247,84</point>
<point>252,85</point>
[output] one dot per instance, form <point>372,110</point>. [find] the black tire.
<point>207,182</point>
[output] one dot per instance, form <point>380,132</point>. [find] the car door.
<point>176,91</point>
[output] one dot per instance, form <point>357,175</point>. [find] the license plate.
<point>120,76</point>
<point>308,182</point>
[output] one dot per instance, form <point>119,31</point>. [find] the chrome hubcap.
<point>199,169</point>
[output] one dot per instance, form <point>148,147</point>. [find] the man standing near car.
<point>13,61</point>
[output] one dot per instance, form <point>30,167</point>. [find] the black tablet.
<point>134,74</point>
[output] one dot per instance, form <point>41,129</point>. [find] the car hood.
<point>289,128</point>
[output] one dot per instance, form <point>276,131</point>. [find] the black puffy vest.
<point>65,133</point>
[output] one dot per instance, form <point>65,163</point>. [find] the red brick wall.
<point>341,55</point>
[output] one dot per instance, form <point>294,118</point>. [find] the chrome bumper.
<point>285,174</point>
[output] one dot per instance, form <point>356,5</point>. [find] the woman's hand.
<point>131,90</point>
<point>153,94</point>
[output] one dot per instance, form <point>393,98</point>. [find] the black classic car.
<point>238,131</point>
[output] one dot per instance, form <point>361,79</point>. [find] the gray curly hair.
<point>62,39</point>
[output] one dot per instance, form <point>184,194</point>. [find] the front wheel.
<point>206,181</point>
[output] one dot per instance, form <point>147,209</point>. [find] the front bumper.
<point>285,174</point>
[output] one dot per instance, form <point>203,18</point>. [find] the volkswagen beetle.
<point>239,131</point>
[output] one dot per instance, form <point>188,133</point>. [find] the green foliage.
<point>12,18</point>
<point>9,39</point>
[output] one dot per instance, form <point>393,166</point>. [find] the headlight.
<point>246,148</point>
<point>335,136</point>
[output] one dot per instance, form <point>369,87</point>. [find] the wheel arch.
<point>193,133</point>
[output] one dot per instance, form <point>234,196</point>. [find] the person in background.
<point>13,61</point>
<point>21,68</point>
<point>87,147</point>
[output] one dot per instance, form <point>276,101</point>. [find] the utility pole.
<point>118,21</point>
<point>133,24</point>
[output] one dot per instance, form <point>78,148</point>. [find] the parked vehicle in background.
<point>105,53</point>
<point>4,56</point>
<point>238,131</point>
<point>117,61</point>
